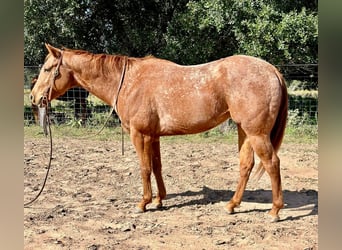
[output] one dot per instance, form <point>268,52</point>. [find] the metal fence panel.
<point>76,107</point>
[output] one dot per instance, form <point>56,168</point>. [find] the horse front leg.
<point>143,146</point>
<point>157,171</point>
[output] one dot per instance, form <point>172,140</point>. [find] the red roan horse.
<point>155,97</point>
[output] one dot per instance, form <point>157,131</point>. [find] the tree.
<point>210,29</point>
<point>280,38</point>
<point>49,21</point>
<point>185,31</point>
<point>199,33</point>
<point>132,27</point>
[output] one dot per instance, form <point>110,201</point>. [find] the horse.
<point>78,94</point>
<point>156,97</point>
<point>34,108</point>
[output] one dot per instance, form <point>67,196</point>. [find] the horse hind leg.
<point>157,171</point>
<point>265,151</point>
<point>246,154</point>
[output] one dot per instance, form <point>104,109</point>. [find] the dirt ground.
<point>92,190</point>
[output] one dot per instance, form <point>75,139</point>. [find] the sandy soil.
<point>92,190</point>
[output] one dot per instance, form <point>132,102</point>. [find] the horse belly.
<point>191,118</point>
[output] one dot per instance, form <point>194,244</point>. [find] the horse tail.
<point>278,130</point>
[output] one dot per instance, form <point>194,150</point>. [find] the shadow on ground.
<point>300,200</point>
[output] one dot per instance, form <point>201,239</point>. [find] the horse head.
<point>54,79</point>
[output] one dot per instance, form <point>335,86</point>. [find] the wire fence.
<point>78,107</point>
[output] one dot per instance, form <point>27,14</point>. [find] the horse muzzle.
<point>40,102</point>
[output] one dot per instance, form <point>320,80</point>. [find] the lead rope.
<point>115,106</point>
<point>46,123</point>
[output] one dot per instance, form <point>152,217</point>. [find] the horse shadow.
<point>294,200</point>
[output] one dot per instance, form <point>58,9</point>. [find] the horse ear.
<point>53,51</point>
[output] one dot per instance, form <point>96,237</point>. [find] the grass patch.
<point>114,133</point>
<point>213,135</point>
<point>65,131</point>
<point>293,134</point>
<point>307,134</point>
<point>301,128</point>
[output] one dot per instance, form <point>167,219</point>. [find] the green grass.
<point>306,134</point>
<point>114,133</point>
<point>67,131</point>
<point>301,128</point>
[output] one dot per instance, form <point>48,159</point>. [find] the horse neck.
<point>100,76</point>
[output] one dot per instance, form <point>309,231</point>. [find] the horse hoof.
<point>274,219</point>
<point>157,205</point>
<point>138,210</point>
<point>230,210</point>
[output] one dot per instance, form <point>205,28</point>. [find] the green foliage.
<point>208,13</point>
<point>300,127</point>
<point>128,27</point>
<point>296,119</point>
<point>304,105</point>
<point>278,37</point>
<point>209,30</point>
<point>298,37</point>
<point>197,34</point>
<point>304,86</point>
<point>185,31</point>
<point>77,123</point>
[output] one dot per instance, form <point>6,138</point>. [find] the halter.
<point>48,91</point>
<point>47,98</point>
<point>46,124</point>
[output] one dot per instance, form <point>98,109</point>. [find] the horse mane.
<point>104,63</point>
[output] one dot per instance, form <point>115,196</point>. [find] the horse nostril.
<point>33,100</point>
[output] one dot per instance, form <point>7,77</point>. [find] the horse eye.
<point>47,70</point>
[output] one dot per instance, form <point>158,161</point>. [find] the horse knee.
<point>246,166</point>
<point>273,166</point>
